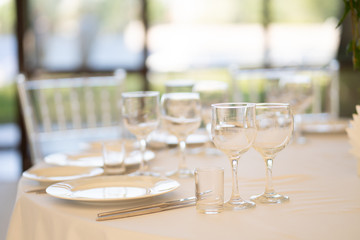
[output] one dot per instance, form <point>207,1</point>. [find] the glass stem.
<point>182,163</point>
<point>143,163</point>
<point>269,189</point>
<point>235,195</point>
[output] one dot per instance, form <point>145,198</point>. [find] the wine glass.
<point>233,132</point>
<point>298,91</point>
<point>211,92</point>
<point>274,122</point>
<point>141,117</point>
<point>181,116</point>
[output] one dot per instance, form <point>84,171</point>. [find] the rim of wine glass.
<point>232,105</point>
<point>141,94</point>
<point>273,105</point>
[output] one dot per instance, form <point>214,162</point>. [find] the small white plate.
<point>93,159</point>
<point>59,174</point>
<point>112,188</point>
<point>194,140</point>
<point>335,126</point>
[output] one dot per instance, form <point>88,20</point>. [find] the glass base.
<point>238,205</point>
<point>181,173</point>
<point>300,140</point>
<point>213,210</point>
<point>270,198</point>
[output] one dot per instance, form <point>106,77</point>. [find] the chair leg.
<point>23,144</point>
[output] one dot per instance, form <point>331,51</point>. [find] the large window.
<point>178,35</point>
<point>73,35</point>
<point>9,132</point>
<point>204,34</point>
<point>8,61</point>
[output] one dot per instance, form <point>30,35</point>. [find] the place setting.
<point>91,155</point>
<point>179,120</point>
<point>235,128</point>
<point>127,180</point>
<point>99,175</point>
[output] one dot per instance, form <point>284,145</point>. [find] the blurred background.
<point>159,40</point>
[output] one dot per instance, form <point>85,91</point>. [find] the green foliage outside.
<point>307,11</point>
<point>349,92</point>
<point>352,8</point>
<point>7,17</point>
<point>8,105</point>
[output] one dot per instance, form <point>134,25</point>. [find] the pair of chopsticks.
<point>147,209</point>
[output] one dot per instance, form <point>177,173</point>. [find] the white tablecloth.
<point>319,177</point>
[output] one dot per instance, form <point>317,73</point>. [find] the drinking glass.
<point>209,190</point>
<point>211,92</point>
<point>181,116</point>
<point>274,122</point>
<point>141,117</point>
<point>298,91</point>
<point>233,132</point>
<point>114,157</point>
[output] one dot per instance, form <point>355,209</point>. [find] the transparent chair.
<point>62,114</point>
<point>313,92</point>
<point>256,85</point>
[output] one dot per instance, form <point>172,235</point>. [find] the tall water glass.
<point>233,132</point>
<point>274,122</point>
<point>141,117</point>
<point>181,116</point>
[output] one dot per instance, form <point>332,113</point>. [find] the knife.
<point>147,209</point>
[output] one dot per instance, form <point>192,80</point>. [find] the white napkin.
<point>354,134</point>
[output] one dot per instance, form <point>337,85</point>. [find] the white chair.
<point>255,85</point>
<point>60,114</point>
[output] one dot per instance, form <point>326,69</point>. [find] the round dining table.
<point>320,177</point>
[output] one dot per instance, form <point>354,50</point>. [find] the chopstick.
<point>147,209</point>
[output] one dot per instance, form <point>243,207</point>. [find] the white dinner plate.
<point>112,188</point>
<point>63,173</point>
<point>335,126</point>
<point>89,159</point>
<point>162,139</point>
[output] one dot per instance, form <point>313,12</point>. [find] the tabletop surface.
<point>319,176</point>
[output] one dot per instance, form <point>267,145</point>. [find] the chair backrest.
<point>254,85</point>
<point>60,112</point>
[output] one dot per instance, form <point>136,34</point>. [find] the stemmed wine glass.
<point>211,91</point>
<point>141,117</point>
<point>181,116</point>
<point>274,122</point>
<point>233,132</point>
<point>298,91</point>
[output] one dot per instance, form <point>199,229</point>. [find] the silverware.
<point>147,209</point>
<point>37,191</point>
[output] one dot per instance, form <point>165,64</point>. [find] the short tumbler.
<point>209,190</point>
<point>114,158</point>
